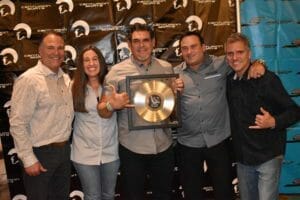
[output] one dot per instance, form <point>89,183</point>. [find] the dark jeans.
<point>135,167</point>
<point>55,183</point>
<point>192,174</point>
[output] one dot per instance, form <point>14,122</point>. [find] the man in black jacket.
<point>260,112</point>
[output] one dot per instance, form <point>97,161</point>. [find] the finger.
<point>259,117</point>
<point>33,173</point>
<point>125,95</point>
<point>113,89</point>
<point>178,80</point>
<point>256,75</point>
<point>253,75</point>
<point>180,83</point>
<point>43,169</point>
<point>180,86</point>
<point>249,74</point>
<point>30,173</point>
<point>263,111</point>
<point>255,127</point>
<point>129,106</point>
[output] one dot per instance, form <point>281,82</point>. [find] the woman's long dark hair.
<point>81,79</point>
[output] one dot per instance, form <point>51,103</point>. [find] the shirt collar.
<point>138,64</point>
<point>235,77</point>
<point>47,72</point>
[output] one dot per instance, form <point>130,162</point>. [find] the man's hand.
<point>256,70</point>
<point>178,85</point>
<point>264,120</point>
<point>118,100</point>
<point>35,169</point>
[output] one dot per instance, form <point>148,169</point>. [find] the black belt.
<point>56,144</point>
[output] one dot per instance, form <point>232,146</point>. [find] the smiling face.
<point>141,46</point>
<point>238,56</point>
<point>91,64</point>
<point>52,52</point>
<point>192,51</point>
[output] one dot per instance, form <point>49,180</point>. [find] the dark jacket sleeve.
<point>286,112</point>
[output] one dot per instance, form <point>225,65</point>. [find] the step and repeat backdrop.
<point>102,23</point>
<point>273,27</point>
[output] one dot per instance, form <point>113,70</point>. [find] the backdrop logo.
<point>70,55</point>
<point>65,6</point>
<point>137,20</point>
<point>7,7</point>
<point>180,4</point>
<point>23,31</point>
<point>10,56</point>
<point>81,28</point>
<point>175,45</point>
<point>123,4</point>
<point>19,197</point>
<point>7,107</point>
<point>194,23</point>
<point>13,156</point>
<point>75,194</point>
<point>123,50</point>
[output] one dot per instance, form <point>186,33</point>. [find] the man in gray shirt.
<point>205,120</point>
<point>146,151</point>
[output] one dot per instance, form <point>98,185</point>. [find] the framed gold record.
<point>156,105</point>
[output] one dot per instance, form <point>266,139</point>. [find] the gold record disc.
<point>154,101</point>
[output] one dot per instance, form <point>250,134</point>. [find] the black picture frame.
<point>135,121</point>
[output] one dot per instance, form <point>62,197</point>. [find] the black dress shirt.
<point>245,97</point>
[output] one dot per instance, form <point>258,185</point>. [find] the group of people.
<point>222,98</point>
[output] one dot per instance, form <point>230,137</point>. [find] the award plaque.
<point>155,103</point>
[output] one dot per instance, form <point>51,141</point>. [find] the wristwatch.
<point>109,107</point>
<point>261,61</point>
